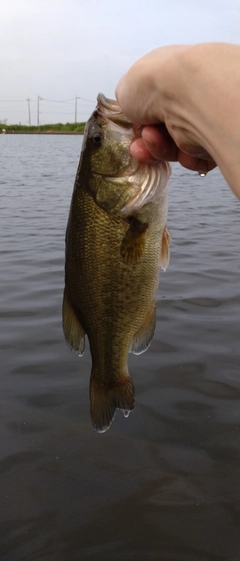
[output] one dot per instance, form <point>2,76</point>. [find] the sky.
<point>63,49</point>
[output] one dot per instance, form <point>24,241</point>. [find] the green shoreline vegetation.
<point>58,128</point>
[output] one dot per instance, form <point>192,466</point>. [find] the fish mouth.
<point>110,109</point>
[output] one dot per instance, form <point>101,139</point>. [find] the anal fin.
<point>144,335</point>
<point>73,331</point>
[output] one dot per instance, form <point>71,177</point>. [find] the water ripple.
<point>165,483</point>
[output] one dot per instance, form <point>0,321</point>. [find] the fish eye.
<point>96,139</point>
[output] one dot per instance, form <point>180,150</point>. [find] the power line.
<point>84,99</point>
<point>49,112</point>
<point>47,99</point>
<point>12,100</point>
<point>76,105</point>
<point>60,113</point>
<point>73,105</point>
<point>58,100</point>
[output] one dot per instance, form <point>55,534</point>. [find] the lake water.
<point>164,484</point>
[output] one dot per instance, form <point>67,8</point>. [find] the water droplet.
<point>126,413</point>
<point>202,173</point>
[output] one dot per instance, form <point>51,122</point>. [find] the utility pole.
<point>38,99</point>
<point>76,98</point>
<point>29,112</point>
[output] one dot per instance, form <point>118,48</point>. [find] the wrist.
<point>201,110</point>
<point>214,103</point>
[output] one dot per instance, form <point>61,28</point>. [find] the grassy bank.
<point>59,128</point>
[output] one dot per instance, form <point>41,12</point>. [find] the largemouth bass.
<point>116,242</point>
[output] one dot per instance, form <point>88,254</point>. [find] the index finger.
<point>157,143</point>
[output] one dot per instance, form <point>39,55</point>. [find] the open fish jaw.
<point>110,109</point>
<point>147,181</point>
<point>110,104</point>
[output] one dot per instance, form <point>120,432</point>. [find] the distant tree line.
<point>56,128</point>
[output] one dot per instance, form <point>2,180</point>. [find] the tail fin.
<point>105,398</point>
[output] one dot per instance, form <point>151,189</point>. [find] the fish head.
<point>118,182</point>
<point>107,138</point>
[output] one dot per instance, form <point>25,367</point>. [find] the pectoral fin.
<point>73,331</point>
<point>144,335</point>
<point>134,242</point>
<point>165,250</point>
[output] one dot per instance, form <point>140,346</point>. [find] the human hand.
<point>155,142</point>
<point>153,92</point>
